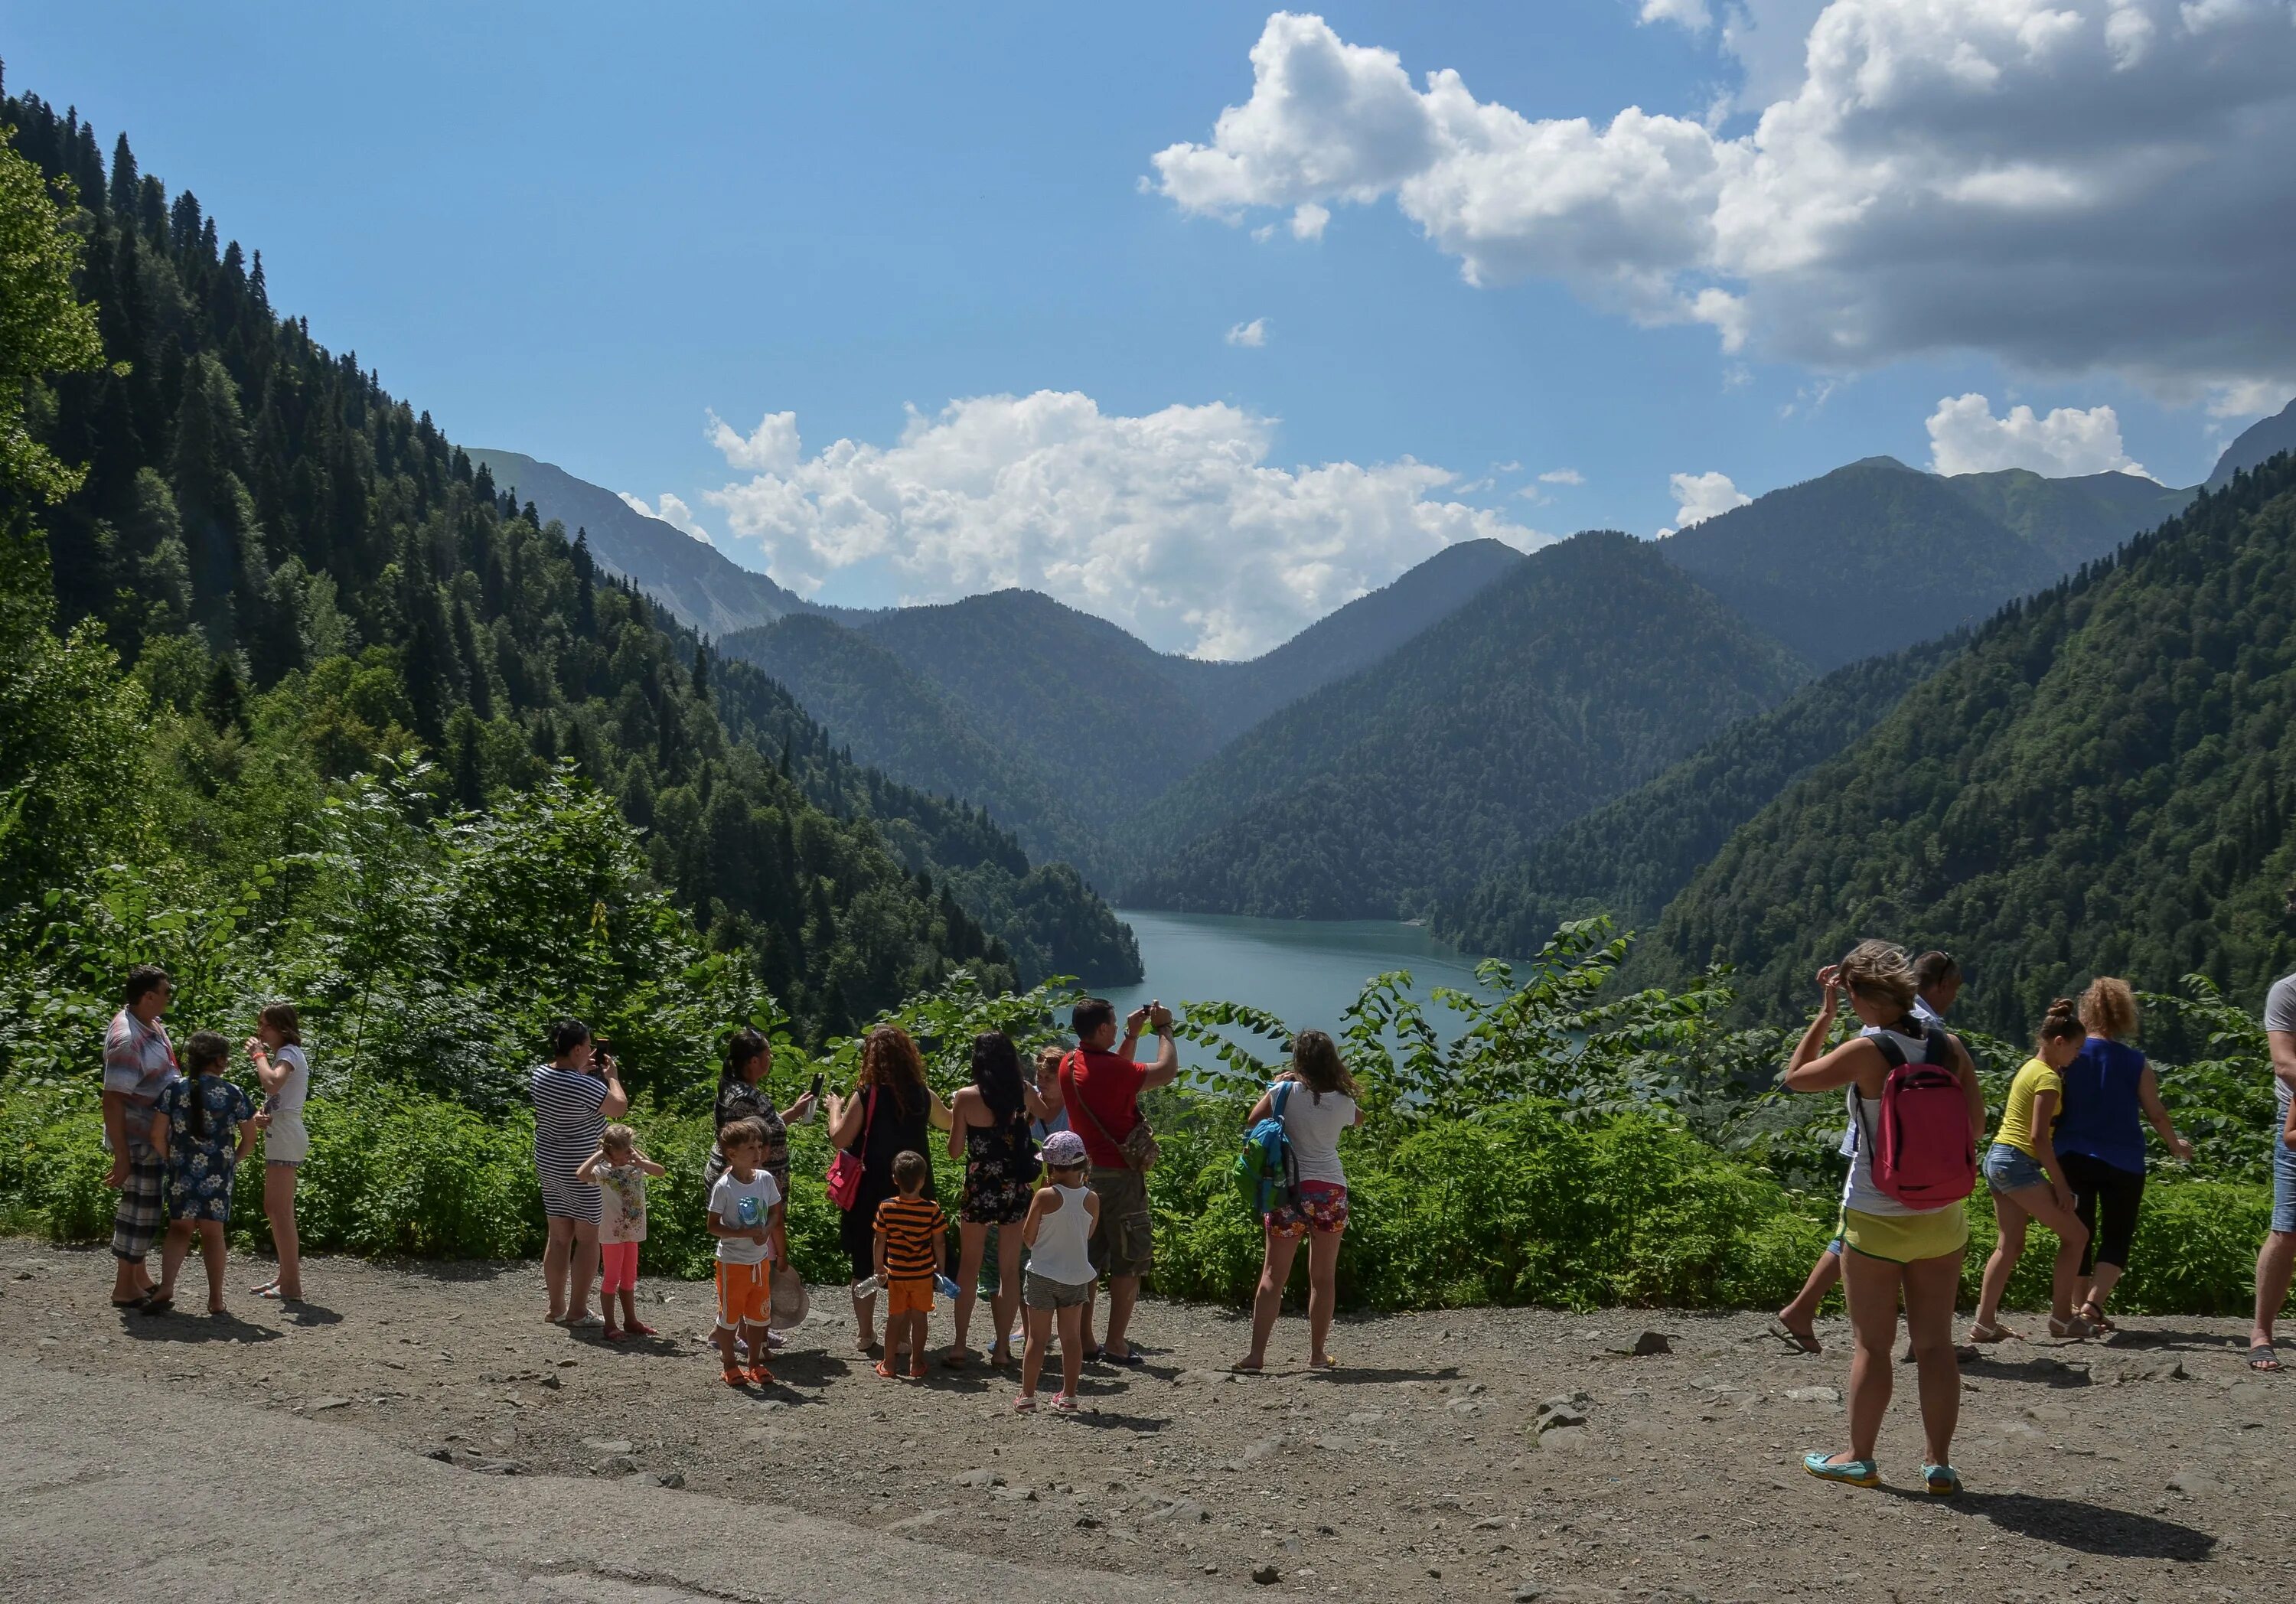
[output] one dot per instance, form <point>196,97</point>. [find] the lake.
<point>1303,971</point>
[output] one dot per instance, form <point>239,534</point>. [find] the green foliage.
<point>46,326</point>
<point>2101,784</point>
<point>1581,672</point>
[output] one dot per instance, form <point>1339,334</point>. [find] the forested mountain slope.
<point>1629,856</point>
<point>1875,555</point>
<point>2105,781</point>
<point>1591,666</point>
<point>258,515</point>
<point>699,583</point>
<point>895,720</point>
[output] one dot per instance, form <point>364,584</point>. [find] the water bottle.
<point>868,1288</point>
<point>945,1287</point>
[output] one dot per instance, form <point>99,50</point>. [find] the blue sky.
<point>574,229</point>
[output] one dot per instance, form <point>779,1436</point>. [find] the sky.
<point>1207,318</point>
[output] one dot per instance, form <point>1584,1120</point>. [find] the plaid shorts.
<point>135,1222</point>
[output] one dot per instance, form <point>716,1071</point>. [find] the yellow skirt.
<point>1907,1238</point>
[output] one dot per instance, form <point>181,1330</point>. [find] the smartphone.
<point>818,1080</point>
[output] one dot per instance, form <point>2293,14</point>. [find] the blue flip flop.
<point>1943,1481</point>
<point>1850,1473</point>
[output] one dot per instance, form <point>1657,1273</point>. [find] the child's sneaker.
<point>1066,1404</point>
<point>1024,1404</point>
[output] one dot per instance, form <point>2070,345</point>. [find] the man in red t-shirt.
<point>1101,1086</point>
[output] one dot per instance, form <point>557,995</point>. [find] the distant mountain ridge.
<point>1876,556</point>
<point>2257,444</point>
<point>1590,666</point>
<point>703,587</point>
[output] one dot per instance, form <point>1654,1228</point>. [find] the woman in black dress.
<point>990,1129</point>
<point>889,1113</point>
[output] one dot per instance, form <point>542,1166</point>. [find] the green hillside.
<point>1629,856</point>
<point>898,721</point>
<point>310,582</point>
<point>2257,444</point>
<point>1590,666</point>
<point>2102,782</point>
<point>1876,556</point>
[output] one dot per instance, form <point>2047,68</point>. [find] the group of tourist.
<point>1056,1173</point>
<point>1055,1189</point>
<point>2069,1152</point>
<point>177,1131</point>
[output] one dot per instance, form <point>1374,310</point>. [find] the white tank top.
<point>1060,1254</point>
<point>1861,1193</point>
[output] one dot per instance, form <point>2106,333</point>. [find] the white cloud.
<point>1692,14</point>
<point>1307,220</point>
<point>2067,185</point>
<point>1172,524</point>
<point>1966,438</point>
<point>672,512</point>
<point>1702,495</point>
<point>1253,334</point>
<point>772,447</point>
<point>1563,476</point>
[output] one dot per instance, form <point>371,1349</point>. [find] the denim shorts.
<point>2284,1182</point>
<point>2009,1169</point>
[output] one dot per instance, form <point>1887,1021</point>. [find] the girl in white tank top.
<point>1059,1254</point>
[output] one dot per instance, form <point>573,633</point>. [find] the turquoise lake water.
<point>1303,971</point>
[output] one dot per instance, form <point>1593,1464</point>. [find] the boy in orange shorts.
<point>744,1208</point>
<point>912,1240</point>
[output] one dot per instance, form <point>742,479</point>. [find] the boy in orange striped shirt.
<point>912,1240</point>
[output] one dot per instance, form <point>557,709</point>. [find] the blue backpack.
<point>1267,1173</point>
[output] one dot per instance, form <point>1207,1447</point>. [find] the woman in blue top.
<point>2101,1143</point>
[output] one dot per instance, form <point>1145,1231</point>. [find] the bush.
<point>1523,1207</point>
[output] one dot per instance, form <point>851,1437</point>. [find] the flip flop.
<point>1850,1473</point>
<point>2262,1360</point>
<point>1794,1339</point>
<point>157,1305</point>
<point>1128,1358</point>
<point>885,1371</point>
<point>1325,1363</point>
<point>1244,1367</point>
<point>957,1358</point>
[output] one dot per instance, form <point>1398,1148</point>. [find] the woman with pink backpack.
<point>1914,1094</point>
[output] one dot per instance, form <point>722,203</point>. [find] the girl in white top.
<point>285,1077</point>
<point>1320,1102</point>
<point>1059,1283</point>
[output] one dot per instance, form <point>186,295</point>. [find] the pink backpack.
<point>1923,1154</point>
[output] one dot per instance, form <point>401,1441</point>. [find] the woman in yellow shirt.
<point>2021,1167</point>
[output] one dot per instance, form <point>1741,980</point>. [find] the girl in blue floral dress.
<point>202,1127</point>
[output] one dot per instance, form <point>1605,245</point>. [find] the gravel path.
<point>1489,1453</point>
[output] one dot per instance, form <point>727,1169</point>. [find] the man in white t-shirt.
<point>2275,1263</point>
<point>1937,983</point>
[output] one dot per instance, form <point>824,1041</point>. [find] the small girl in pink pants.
<point>620,1171</point>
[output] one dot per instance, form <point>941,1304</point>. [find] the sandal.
<point>2075,1330</point>
<point>1325,1363</point>
<point>1942,1481</point>
<point>1024,1404</point>
<point>1801,1342</point>
<point>918,1372</point>
<point>157,1305</point>
<point>1065,1403</point>
<point>612,1334</point>
<point>636,1330</point>
<point>1996,1332</point>
<point>732,1376</point>
<point>885,1371</point>
<point>2262,1360</point>
<point>955,1359</point>
<point>272,1292</point>
<point>759,1376</point>
<point>2094,1313</point>
<point>1850,1473</point>
<point>1245,1367</point>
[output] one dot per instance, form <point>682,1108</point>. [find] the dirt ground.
<point>1489,1453</point>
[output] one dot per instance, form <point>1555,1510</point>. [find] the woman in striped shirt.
<point>574,1094</point>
